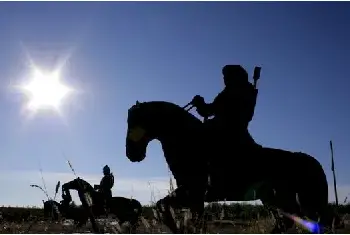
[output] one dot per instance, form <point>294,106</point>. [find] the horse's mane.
<point>85,183</point>
<point>177,111</point>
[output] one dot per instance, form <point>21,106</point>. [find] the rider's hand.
<point>197,101</point>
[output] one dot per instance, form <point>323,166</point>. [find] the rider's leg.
<point>108,200</point>
<point>104,199</point>
<point>213,135</point>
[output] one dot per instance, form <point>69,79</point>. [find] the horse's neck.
<point>172,120</point>
<point>85,185</point>
<point>174,128</point>
<point>180,145</point>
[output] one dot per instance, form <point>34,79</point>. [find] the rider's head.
<point>234,75</point>
<point>106,170</point>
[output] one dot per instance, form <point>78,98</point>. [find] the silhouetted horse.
<point>276,176</point>
<point>125,209</point>
<point>52,210</point>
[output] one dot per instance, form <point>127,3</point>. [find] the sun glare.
<point>45,90</point>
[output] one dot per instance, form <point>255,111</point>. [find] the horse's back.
<point>266,163</point>
<point>274,154</point>
<point>281,162</point>
<point>123,202</point>
<point>126,209</point>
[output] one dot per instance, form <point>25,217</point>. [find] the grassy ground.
<point>224,219</point>
<point>42,227</point>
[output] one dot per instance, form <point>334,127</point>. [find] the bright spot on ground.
<point>45,90</point>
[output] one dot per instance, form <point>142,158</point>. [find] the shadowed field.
<point>234,218</point>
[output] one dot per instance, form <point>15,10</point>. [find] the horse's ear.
<point>57,186</point>
<point>137,102</point>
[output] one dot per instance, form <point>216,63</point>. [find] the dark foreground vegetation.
<point>242,218</point>
<point>215,210</point>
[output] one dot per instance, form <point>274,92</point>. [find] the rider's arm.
<point>205,110</point>
<point>208,110</point>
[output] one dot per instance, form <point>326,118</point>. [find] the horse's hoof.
<point>277,230</point>
<point>339,224</point>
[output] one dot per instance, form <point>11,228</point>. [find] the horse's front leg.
<point>180,199</point>
<point>166,208</point>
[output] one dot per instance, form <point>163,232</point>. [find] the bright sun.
<point>45,90</point>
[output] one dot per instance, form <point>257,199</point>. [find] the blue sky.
<point>124,51</point>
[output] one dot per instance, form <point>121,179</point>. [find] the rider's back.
<point>107,182</point>
<point>235,105</point>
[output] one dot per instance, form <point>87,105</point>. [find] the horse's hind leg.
<point>313,201</point>
<point>280,198</point>
<point>313,195</point>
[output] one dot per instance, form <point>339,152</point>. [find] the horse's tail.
<point>313,195</point>
<point>328,216</point>
<point>137,209</point>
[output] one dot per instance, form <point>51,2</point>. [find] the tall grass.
<point>216,213</point>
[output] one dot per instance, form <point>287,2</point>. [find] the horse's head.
<point>140,131</point>
<point>51,209</point>
<point>154,120</point>
<point>77,184</point>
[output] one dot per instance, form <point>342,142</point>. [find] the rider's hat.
<point>235,71</point>
<point>106,169</point>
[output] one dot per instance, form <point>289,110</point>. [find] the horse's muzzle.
<point>136,151</point>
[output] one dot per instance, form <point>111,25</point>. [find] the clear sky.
<point>120,52</point>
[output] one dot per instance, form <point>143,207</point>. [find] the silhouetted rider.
<point>233,108</point>
<point>106,184</point>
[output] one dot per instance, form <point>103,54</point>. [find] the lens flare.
<point>311,226</point>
